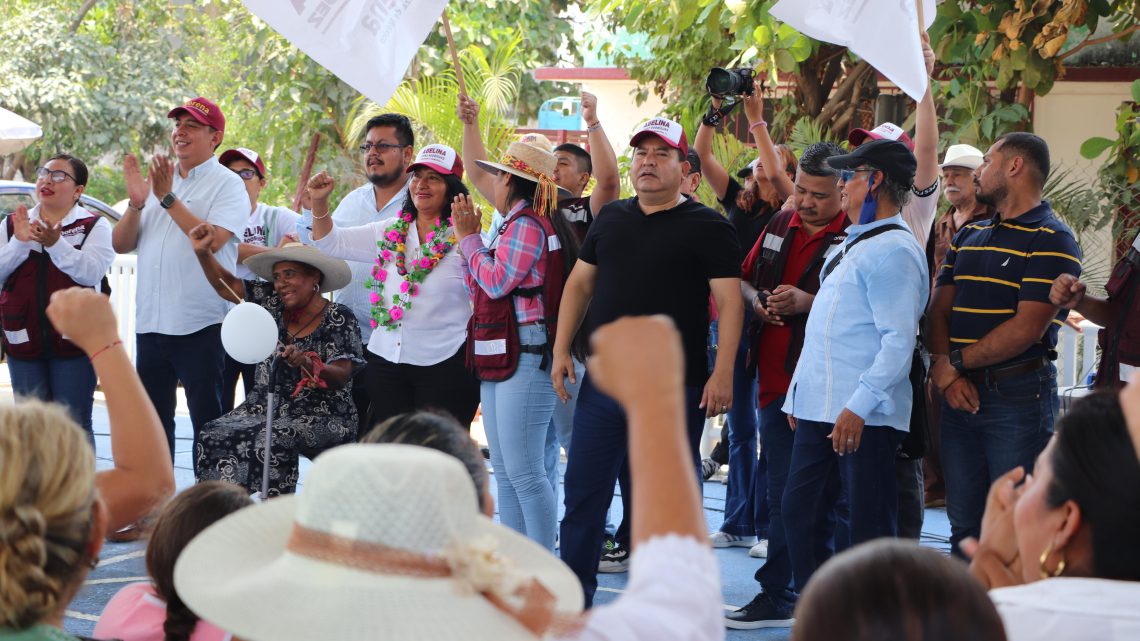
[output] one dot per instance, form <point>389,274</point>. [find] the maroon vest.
<point>768,273</point>
<point>493,345</point>
<point>1120,339</point>
<point>25,296</point>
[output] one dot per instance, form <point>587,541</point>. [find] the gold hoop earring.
<point>1046,574</point>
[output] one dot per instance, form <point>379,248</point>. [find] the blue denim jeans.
<point>1013,424</point>
<point>596,455</point>
<point>67,381</point>
<point>197,361</point>
<point>778,438</point>
<point>746,510</point>
<point>815,476</point>
<point>517,417</point>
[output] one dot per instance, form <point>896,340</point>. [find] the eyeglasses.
<point>246,174</point>
<point>56,175</point>
<point>382,146</point>
<point>847,174</point>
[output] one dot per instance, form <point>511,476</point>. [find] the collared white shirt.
<point>173,295</point>
<point>1070,609</point>
<point>265,227</point>
<point>919,213</point>
<point>436,325</point>
<point>86,266</point>
<point>358,208</point>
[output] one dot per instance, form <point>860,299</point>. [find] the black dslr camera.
<point>730,82</point>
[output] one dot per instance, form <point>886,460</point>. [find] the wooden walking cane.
<point>455,55</point>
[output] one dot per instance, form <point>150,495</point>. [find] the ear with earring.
<point>1060,569</point>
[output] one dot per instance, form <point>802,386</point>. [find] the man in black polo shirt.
<point>993,330</point>
<point>656,253</point>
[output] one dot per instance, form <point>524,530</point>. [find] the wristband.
<point>758,123</point>
<point>96,354</point>
<point>134,206</point>
<point>594,127</point>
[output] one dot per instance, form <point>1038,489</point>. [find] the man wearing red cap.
<point>656,253</point>
<point>178,317</point>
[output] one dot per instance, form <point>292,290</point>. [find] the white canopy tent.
<point>16,132</point>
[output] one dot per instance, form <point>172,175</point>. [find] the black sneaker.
<point>709,467</point>
<point>615,560</point>
<point>761,612</point>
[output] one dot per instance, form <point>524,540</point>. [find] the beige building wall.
<point>1067,116</point>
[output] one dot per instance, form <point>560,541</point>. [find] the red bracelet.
<point>96,354</point>
<point>758,123</point>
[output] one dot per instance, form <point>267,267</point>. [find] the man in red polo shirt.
<point>779,279</point>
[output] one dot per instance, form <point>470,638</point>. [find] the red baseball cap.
<point>203,110</point>
<point>248,155</point>
<point>671,132</point>
<point>439,158</point>
<point>885,131</point>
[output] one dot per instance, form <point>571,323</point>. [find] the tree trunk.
<point>12,165</point>
<point>87,6</point>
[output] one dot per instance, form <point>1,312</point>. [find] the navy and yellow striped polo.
<point>995,264</point>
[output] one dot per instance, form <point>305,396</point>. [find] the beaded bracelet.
<point>96,354</point>
<point>594,127</point>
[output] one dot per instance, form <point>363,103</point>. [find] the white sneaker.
<point>720,539</point>
<point>760,550</point>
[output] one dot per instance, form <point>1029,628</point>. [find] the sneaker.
<point>615,561</point>
<point>708,468</point>
<point>761,612</point>
<point>608,543</point>
<point>720,539</point>
<point>760,550</point>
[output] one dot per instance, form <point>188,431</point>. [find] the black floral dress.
<point>232,448</point>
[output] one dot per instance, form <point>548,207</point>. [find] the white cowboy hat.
<point>336,272</point>
<point>385,542</point>
<point>962,156</point>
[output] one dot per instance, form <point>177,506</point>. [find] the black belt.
<point>533,349</point>
<point>988,375</point>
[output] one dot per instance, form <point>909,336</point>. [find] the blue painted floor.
<point>123,563</point>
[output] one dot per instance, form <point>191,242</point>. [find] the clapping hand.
<point>21,227</point>
<point>466,217</point>
<point>161,175</point>
<point>45,234</point>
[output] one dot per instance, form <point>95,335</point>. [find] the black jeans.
<point>195,360</point>
<point>396,388</point>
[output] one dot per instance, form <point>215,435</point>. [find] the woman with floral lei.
<point>520,272</point>
<point>419,306</point>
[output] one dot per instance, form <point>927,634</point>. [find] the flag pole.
<point>918,3</point>
<point>455,55</point>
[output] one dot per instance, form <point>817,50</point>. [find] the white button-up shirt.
<point>357,208</point>
<point>265,227</point>
<point>85,266</point>
<point>173,295</point>
<point>436,325</point>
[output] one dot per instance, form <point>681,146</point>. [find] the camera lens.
<point>722,82</point>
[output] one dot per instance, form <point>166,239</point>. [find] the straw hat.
<point>534,164</point>
<point>385,542</point>
<point>962,155</point>
<point>538,140</point>
<point>336,272</point>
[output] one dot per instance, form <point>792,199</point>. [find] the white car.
<point>14,193</point>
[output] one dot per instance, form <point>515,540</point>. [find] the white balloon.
<point>249,333</point>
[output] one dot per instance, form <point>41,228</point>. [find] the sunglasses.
<point>246,174</point>
<point>55,175</point>
<point>381,146</point>
<point>847,174</point>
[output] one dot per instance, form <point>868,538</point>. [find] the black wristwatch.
<point>168,200</point>
<point>956,361</point>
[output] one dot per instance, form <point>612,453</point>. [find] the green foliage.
<point>94,92</point>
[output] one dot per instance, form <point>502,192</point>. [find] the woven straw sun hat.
<point>385,542</point>
<point>336,272</point>
<point>527,161</point>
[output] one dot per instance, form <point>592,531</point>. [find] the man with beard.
<point>387,151</point>
<point>993,330</point>
<point>958,187</point>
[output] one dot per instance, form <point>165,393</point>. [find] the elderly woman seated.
<point>319,348</point>
<point>1060,550</point>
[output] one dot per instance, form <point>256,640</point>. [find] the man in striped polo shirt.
<point>993,330</point>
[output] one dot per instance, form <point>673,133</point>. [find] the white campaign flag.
<point>882,32</point>
<point>366,43</point>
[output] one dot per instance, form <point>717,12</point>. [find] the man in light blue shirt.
<point>850,396</point>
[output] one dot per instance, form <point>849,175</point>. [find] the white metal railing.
<point>121,277</point>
